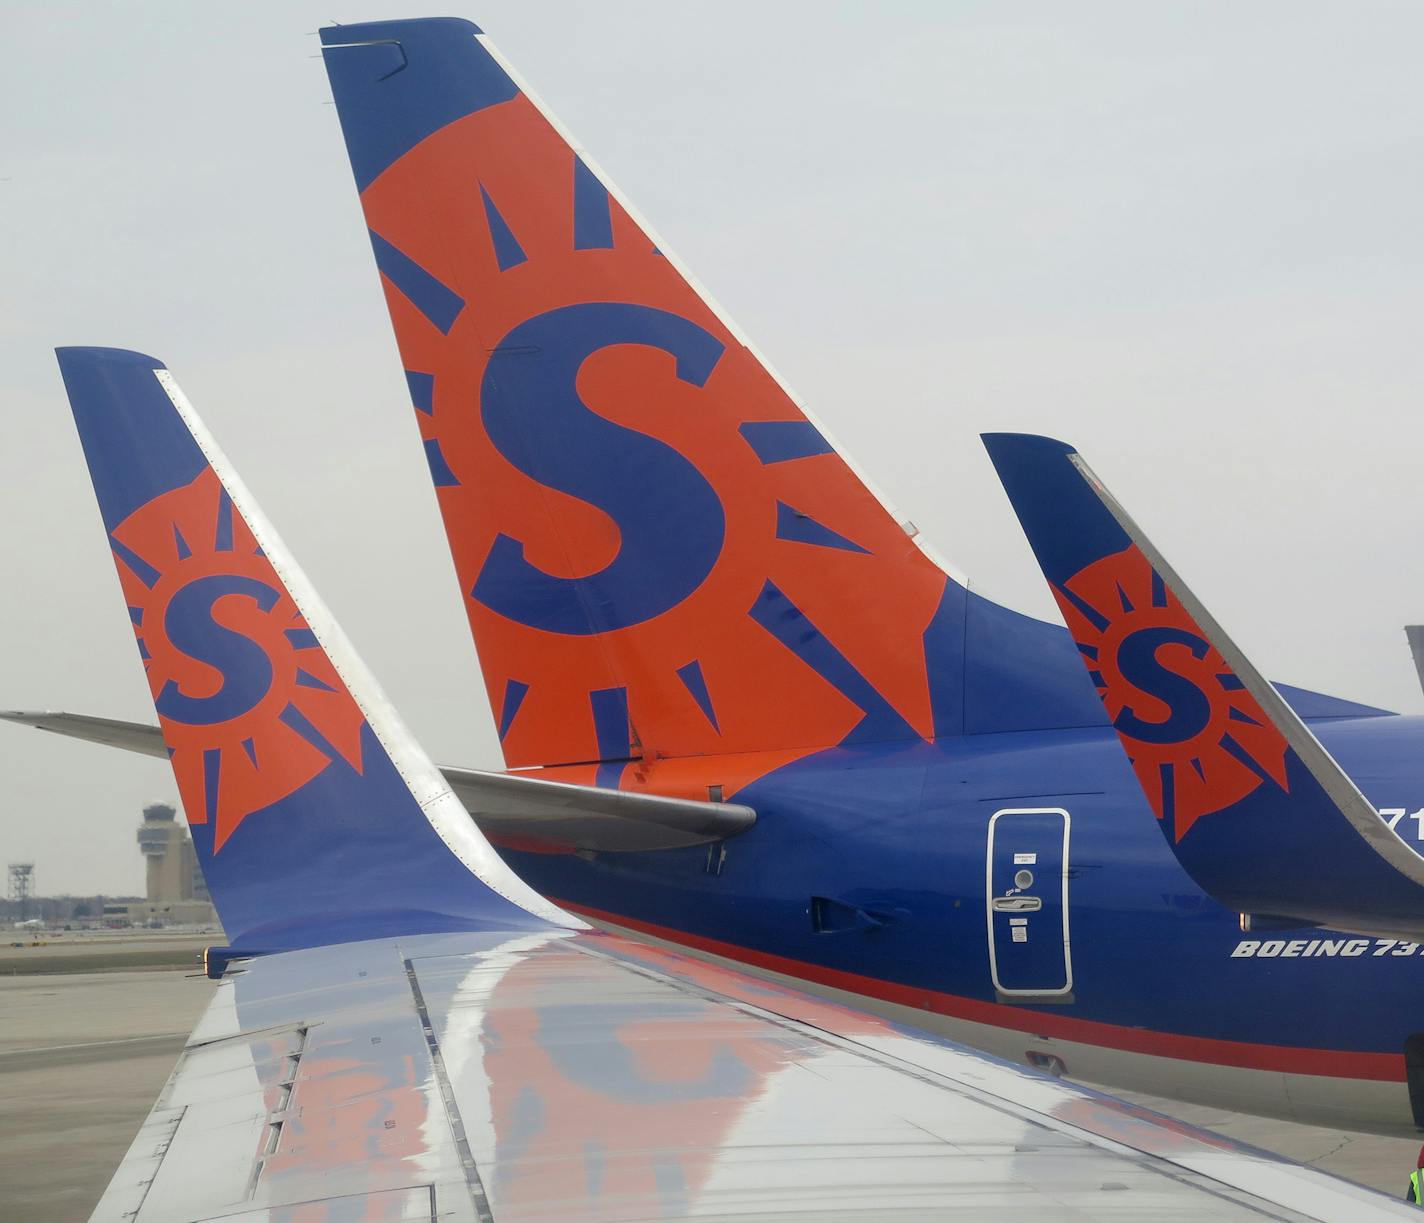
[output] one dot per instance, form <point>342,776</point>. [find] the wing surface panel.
<point>558,1075</point>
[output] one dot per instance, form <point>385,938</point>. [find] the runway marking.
<point>91,1044</point>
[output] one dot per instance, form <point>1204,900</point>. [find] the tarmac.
<point>82,1058</point>
<point>71,951</point>
<point>84,1054</point>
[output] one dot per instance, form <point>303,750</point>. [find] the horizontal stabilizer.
<point>523,812</point>
<point>1231,771</point>
<point>531,813</point>
<point>315,815</point>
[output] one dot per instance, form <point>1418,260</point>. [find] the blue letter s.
<point>670,521</point>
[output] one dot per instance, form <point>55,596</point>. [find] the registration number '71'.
<point>1393,816</point>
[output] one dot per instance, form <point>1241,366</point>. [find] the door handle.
<point>1017,904</point>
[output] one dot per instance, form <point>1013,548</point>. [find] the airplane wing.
<point>518,811</point>
<point>401,1029</point>
<point>559,1076</point>
<point>1252,804</point>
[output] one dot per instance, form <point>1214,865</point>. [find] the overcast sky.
<point>1185,238</point>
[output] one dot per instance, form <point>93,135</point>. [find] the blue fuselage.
<point>872,871</point>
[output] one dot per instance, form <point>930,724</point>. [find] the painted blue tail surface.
<point>282,748</point>
<point>1250,802</point>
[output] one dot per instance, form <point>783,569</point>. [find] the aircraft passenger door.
<point>1027,897</point>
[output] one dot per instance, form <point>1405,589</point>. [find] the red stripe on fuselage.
<point>1327,1063</point>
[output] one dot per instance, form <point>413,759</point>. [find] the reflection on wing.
<point>576,1076</point>
<point>607,1093</point>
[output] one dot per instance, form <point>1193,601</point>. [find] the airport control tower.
<point>22,886</point>
<point>168,852</point>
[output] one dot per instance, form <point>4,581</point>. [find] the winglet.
<point>1250,801</point>
<point>1415,634</point>
<point>316,816</point>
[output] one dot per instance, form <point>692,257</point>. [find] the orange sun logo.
<point>1197,740</point>
<point>250,707</point>
<point>646,528</point>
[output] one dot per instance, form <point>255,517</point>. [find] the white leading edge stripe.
<point>447,815</point>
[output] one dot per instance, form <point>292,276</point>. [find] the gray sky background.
<point>1186,238</point>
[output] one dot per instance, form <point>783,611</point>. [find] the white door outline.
<point>989,905</point>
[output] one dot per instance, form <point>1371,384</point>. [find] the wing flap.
<point>128,1190</point>
<point>304,1088</point>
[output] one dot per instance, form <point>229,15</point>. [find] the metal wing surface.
<point>573,1076</point>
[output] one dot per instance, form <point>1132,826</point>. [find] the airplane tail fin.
<point>315,815</point>
<point>660,550</point>
<point>1250,801</point>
